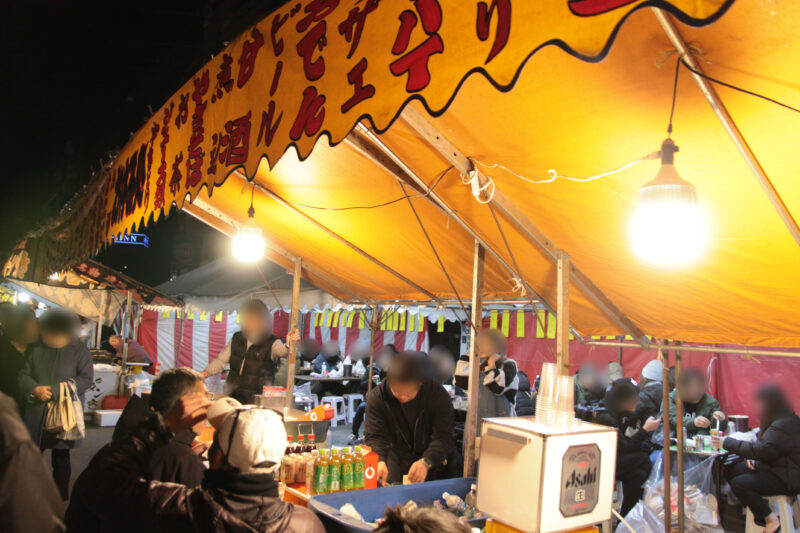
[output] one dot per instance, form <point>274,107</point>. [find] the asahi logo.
<point>580,480</point>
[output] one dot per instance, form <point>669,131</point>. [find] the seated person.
<point>176,461</point>
<point>359,359</point>
<point>308,350</point>
<point>525,404</point>
<point>651,390</point>
<point>498,376</point>
<point>444,367</point>
<point>590,386</point>
<point>409,423</point>
<point>329,362</point>
<point>239,492</point>
<point>633,465</point>
<point>136,353</point>
<point>421,520</point>
<point>770,466</point>
<point>700,409</point>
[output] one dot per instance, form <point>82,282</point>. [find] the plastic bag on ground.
<point>700,504</point>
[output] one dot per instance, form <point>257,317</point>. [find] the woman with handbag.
<point>60,358</point>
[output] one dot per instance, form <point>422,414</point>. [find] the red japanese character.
<point>276,77</point>
<point>360,91</point>
<point>313,68</point>
<point>224,78</point>
<point>485,13</point>
<point>161,181</point>
<point>317,10</point>
<point>235,143</point>
<point>195,154</point>
<point>311,115</point>
<point>277,22</point>
<point>353,25</point>
<point>588,8</point>
<point>183,111</point>
<point>247,60</point>
<point>175,181</point>
<point>415,62</point>
<point>267,129</point>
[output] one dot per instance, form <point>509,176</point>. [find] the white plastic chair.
<point>339,409</point>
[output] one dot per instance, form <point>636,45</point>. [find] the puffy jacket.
<point>705,408</point>
<point>627,441</point>
<point>431,437</point>
<point>777,450</point>
<point>650,398</point>
<point>524,404</point>
<point>111,495</point>
<point>250,367</point>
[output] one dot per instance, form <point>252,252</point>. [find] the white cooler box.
<point>541,479</point>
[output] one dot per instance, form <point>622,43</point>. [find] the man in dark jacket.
<point>176,461</point>
<point>239,491</point>
<point>633,465</point>
<point>18,330</point>
<point>29,499</point>
<point>409,423</point>
<point>701,411</point>
<point>252,353</point>
<point>651,391</point>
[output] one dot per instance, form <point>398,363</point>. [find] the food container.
<point>739,423</point>
<point>271,398</point>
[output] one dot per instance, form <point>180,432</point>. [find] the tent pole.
<point>562,319</point>
<point>515,215</point>
<point>373,327</point>
<point>681,437</point>
<point>226,225</point>
<point>710,94</point>
<point>293,321</point>
<point>705,349</point>
<point>471,426</point>
<point>338,237</point>
<point>99,338</point>
<point>179,344</point>
<point>664,358</point>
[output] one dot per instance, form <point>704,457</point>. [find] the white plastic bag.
<point>78,431</point>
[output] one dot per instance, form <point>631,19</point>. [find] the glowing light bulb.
<point>249,243</point>
<point>668,229</point>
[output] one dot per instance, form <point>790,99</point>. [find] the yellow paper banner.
<point>506,322</point>
<point>520,324</point>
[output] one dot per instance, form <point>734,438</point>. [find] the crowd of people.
<point>152,476</point>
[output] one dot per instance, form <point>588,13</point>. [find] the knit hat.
<point>653,371</point>
<point>614,371</point>
<point>252,440</point>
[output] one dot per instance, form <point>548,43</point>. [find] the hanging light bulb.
<point>668,229</point>
<point>249,243</point>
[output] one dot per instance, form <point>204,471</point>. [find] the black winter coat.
<point>387,433</point>
<point>11,364</point>
<point>112,496</point>
<point>777,450</point>
<point>625,444</point>
<point>524,405</point>
<point>650,401</point>
<point>251,368</point>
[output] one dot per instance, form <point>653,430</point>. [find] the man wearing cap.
<point>240,492</point>
<point>409,423</point>
<point>252,353</point>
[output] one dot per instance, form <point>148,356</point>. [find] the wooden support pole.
<point>664,358</point>
<point>373,327</point>
<point>681,438</point>
<point>562,318</point>
<point>293,321</point>
<point>126,316</point>
<point>471,426</point>
<point>100,314</point>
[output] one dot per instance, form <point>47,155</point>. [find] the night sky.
<point>78,78</point>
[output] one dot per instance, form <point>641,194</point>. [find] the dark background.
<point>77,79</point>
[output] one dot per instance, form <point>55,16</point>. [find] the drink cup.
<point>716,439</point>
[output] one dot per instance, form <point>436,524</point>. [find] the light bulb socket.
<point>251,212</point>
<point>668,149</point>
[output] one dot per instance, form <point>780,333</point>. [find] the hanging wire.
<point>518,273</point>
<point>266,282</point>
<point>674,96</point>
<point>737,88</point>
<point>251,212</point>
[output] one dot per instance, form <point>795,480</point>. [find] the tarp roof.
<point>564,113</point>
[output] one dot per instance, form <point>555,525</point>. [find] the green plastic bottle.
<point>335,471</point>
<point>358,468</point>
<point>321,473</point>
<point>348,479</point>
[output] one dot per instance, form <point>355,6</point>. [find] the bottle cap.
<point>323,452</point>
<point>301,438</point>
<point>358,449</point>
<point>346,449</point>
<point>335,451</point>
<point>289,438</point>
<point>311,437</point>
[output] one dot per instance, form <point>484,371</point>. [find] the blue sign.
<point>139,239</point>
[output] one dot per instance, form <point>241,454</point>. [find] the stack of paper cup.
<point>546,395</point>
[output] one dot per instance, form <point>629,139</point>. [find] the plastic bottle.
<point>321,472</point>
<point>358,468</point>
<point>324,369</point>
<point>472,496</point>
<point>453,502</point>
<point>301,462</point>
<point>335,471</point>
<point>309,481</point>
<point>312,445</point>
<point>348,466</point>
<point>301,444</point>
<point>289,445</point>
<point>288,463</point>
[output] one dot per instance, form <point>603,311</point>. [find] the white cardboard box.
<point>542,479</point>
<point>107,417</point>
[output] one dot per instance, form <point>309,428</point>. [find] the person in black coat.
<point>525,403</point>
<point>60,357</point>
<point>770,466</point>
<point>651,390</point>
<point>18,331</point>
<point>633,465</point>
<point>409,423</point>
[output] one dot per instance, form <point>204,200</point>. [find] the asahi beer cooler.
<point>544,479</point>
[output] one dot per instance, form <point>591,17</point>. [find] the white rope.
<point>623,520</point>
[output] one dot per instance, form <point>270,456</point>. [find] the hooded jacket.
<point>705,408</point>
<point>777,450</point>
<point>387,432</point>
<point>650,398</point>
<point>112,495</point>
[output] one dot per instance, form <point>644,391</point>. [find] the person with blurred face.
<point>60,357</point>
<point>18,331</point>
<point>444,364</point>
<point>136,353</point>
<point>409,423</point>
<point>701,411</point>
<point>498,376</point>
<point>770,465</point>
<point>253,353</point>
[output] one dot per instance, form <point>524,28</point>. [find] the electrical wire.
<point>269,286</point>
<point>736,88</point>
<point>674,96</point>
